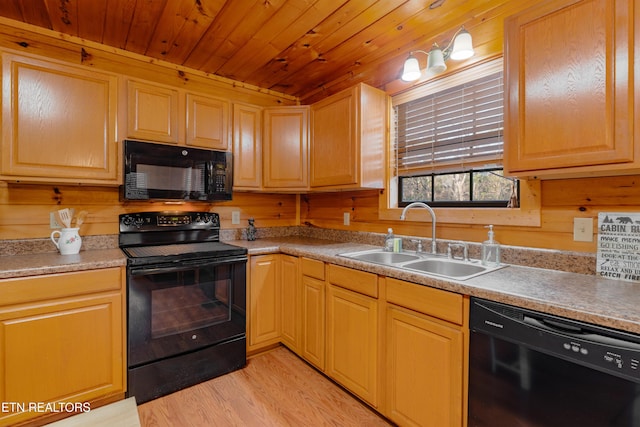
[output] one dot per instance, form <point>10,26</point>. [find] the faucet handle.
<point>419,249</point>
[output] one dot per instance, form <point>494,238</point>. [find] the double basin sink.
<point>428,264</point>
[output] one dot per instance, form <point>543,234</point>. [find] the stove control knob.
<point>127,221</point>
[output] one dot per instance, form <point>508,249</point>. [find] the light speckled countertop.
<point>582,297</point>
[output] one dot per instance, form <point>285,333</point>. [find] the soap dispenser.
<point>490,250</point>
<point>251,230</point>
<point>388,240</point>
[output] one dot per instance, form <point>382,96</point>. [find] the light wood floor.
<point>274,389</point>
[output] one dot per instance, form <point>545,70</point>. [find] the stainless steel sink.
<point>380,257</point>
<point>433,265</point>
<point>448,268</point>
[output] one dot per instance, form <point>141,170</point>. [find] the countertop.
<point>588,298</point>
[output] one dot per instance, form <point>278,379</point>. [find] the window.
<point>474,188</point>
<point>448,143</point>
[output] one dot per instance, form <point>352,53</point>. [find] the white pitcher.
<point>69,241</point>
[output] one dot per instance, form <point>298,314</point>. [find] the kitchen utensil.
<point>79,219</point>
<point>65,217</point>
<point>58,218</point>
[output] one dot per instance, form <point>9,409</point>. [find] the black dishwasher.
<point>532,369</point>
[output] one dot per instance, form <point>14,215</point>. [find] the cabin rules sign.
<point>619,246</point>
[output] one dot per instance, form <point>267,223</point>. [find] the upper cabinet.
<point>570,106</point>
<point>207,122</point>
<point>152,112</point>
<point>59,122</point>
<point>165,114</point>
<point>348,135</point>
<point>285,149</point>
<point>247,147</point>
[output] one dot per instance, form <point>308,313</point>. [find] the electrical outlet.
<point>235,217</point>
<point>52,221</point>
<point>583,229</point>
<point>347,218</point>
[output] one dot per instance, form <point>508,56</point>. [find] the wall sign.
<point>619,246</point>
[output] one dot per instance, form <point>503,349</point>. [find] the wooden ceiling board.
<point>63,16</point>
<point>303,48</point>
<point>35,12</point>
<point>347,59</point>
<point>12,9</point>
<point>91,19</point>
<point>195,26</point>
<point>226,33</point>
<point>117,26</point>
<point>284,27</point>
<point>146,15</point>
<point>308,48</point>
<point>273,39</point>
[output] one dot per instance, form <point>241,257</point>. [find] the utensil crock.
<point>68,242</point>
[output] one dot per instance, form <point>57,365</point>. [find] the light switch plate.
<point>347,218</point>
<point>235,217</point>
<point>583,229</point>
<point>52,221</point>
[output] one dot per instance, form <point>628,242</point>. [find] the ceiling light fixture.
<point>461,47</point>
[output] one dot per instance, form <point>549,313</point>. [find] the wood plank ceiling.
<point>304,48</point>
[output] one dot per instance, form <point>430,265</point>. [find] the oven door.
<point>181,307</point>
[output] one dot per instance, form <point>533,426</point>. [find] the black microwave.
<point>168,172</point>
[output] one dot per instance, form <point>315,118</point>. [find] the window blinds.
<point>460,126</point>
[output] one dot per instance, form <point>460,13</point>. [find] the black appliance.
<point>532,369</point>
<point>168,172</point>
<point>186,301</point>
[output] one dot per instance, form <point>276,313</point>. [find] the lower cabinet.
<point>425,352</point>
<point>263,326</point>
<point>399,346</point>
<point>290,309</point>
<point>312,347</point>
<point>352,331</point>
<point>61,341</point>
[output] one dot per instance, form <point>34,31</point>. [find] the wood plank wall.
<point>25,208</point>
<point>562,200</point>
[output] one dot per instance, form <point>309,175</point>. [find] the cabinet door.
<point>286,148</point>
<point>264,302</point>
<point>348,135</point>
<point>207,122</point>
<point>424,370</point>
<point>313,321</point>
<point>68,350</point>
<point>290,292</point>
<point>569,80</point>
<point>59,122</point>
<point>334,156</point>
<point>152,112</point>
<point>352,339</point>
<point>247,147</point>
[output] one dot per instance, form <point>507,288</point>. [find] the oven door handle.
<point>184,265</point>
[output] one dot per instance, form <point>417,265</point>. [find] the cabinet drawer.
<point>433,302</point>
<point>313,268</point>
<point>51,286</point>
<point>358,281</point>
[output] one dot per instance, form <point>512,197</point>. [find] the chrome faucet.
<point>433,220</point>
